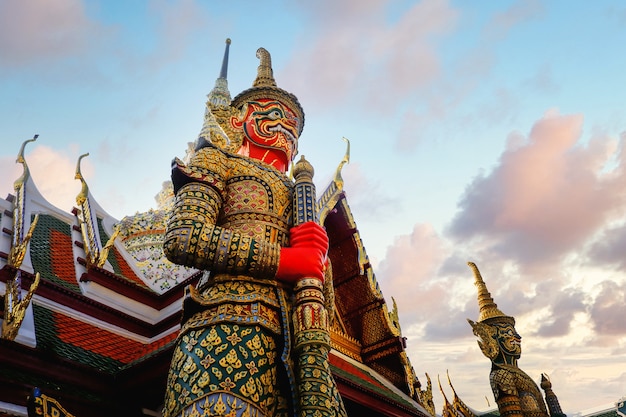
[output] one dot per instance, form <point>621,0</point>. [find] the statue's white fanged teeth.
<point>280,128</point>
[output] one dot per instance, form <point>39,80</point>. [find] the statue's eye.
<point>275,114</point>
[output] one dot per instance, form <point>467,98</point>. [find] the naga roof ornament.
<point>488,309</point>
<point>20,201</point>
<point>16,303</point>
<point>87,219</point>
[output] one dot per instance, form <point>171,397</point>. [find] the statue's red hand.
<point>306,257</point>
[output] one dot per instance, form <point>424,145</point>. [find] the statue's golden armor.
<point>516,392</point>
<point>231,216</point>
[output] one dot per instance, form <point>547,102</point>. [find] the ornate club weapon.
<point>318,395</point>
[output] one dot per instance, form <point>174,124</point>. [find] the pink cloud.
<point>370,57</point>
<point>39,30</point>
<point>608,310</point>
<point>11,172</point>
<point>408,269</point>
<point>548,195</point>
<point>609,249</point>
<point>517,13</point>
<point>359,188</point>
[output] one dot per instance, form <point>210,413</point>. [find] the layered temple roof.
<point>99,331</point>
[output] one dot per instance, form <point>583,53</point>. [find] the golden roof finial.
<point>21,160</point>
<point>19,242</point>
<point>488,309</point>
<point>446,403</point>
<point>87,218</point>
<point>84,191</point>
<point>331,195</point>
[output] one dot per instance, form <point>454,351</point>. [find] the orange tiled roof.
<point>90,345</point>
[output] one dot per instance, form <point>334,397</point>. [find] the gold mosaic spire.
<point>488,309</point>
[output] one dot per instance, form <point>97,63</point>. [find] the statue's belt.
<point>230,299</point>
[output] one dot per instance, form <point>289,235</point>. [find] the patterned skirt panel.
<point>227,360</point>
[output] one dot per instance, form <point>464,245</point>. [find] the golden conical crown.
<point>264,86</point>
<point>488,309</point>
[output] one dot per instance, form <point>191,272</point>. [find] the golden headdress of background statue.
<point>488,314</point>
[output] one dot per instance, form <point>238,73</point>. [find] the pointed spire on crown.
<point>265,74</point>
<point>220,96</point>
<point>218,102</point>
<point>224,70</point>
<point>488,309</point>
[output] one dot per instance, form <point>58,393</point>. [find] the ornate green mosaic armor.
<point>231,216</point>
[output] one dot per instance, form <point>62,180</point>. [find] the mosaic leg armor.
<point>225,369</point>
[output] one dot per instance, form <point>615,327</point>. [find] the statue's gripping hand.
<point>306,257</point>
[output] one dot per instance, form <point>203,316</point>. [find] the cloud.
<point>407,272</point>
<point>608,310</point>
<point>563,305</point>
<point>609,248</point>
<point>360,187</point>
<point>38,31</point>
<point>548,194</point>
<point>519,12</point>
<point>65,40</point>
<point>11,172</point>
<point>543,81</point>
<point>541,226</point>
<point>617,12</point>
<point>375,57</point>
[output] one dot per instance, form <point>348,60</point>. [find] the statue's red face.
<point>272,126</point>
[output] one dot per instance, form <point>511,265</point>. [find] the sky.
<point>490,132</point>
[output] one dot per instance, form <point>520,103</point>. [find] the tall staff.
<point>318,394</point>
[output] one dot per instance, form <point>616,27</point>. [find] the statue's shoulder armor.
<point>503,381</point>
<point>208,165</point>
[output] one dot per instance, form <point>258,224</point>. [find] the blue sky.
<point>482,131</point>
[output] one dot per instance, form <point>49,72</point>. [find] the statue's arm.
<point>194,239</point>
